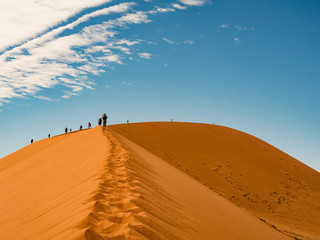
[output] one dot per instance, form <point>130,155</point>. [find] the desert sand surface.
<point>46,188</point>
<point>97,184</point>
<point>247,171</point>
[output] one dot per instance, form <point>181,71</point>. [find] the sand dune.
<point>45,188</point>
<point>97,184</point>
<point>249,172</point>
<point>176,206</point>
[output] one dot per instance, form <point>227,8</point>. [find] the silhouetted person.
<point>99,121</point>
<point>32,140</point>
<point>70,130</point>
<point>89,125</point>
<point>127,121</point>
<point>104,118</point>
<point>80,127</point>
<point>66,130</point>
<point>49,135</point>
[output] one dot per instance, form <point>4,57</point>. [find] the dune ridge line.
<point>114,214</point>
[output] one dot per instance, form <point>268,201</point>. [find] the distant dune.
<point>157,181</point>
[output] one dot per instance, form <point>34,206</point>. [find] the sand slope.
<point>97,185</point>
<point>45,188</point>
<point>249,172</point>
<point>175,206</point>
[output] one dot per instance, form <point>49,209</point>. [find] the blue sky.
<point>249,65</point>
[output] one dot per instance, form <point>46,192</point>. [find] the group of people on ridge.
<point>102,120</point>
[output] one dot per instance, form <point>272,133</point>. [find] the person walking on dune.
<point>104,118</point>
<point>66,130</point>
<point>89,125</point>
<point>99,121</point>
<point>80,127</point>
<point>32,140</point>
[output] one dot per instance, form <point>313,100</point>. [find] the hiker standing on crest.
<point>99,121</point>
<point>104,118</point>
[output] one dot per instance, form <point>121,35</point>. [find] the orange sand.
<point>96,184</point>
<point>249,172</point>
<point>45,188</point>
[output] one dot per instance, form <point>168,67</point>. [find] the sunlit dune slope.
<point>246,170</point>
<point>45,188</point>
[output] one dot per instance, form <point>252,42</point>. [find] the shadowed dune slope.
<point>246,170</point>
<point>175,206</point>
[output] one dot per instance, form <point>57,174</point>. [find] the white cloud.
<point>112,58</point>
<point>137,17</point>
<point>29,18</point>
<point>164,10</point>
<point>225,25</point>
<point>68,94</point>
<point>126,83</point>
<point>193,2</point>
<point>43,98</point>
<point>49,46</point>
<point>237,27</point>
<point>178,6</point>
<point>188,42</point>
<point>169,41</point>
<point>161,10</point>
<point>127,42</point>
<point>145,55</point>
<point>236,40</point>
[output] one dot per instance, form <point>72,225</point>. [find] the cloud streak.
<point>194,2</point>
<point>68,54</point>
<point>26,20</point>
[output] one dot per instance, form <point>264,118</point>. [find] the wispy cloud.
<point>188,42</point>
<point>178,6</point>
<point>45,44</point>
<point>145,55</point>
<point>193,2</point>
<point>43,98</point>
<point>225,25</point>
<point>126,83</point>
<point>68,94</point>
<point>236,27</point>
<point>19,23</point>
<point>238,30</point>
<point>236,40</point>
<point>169,41</point>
